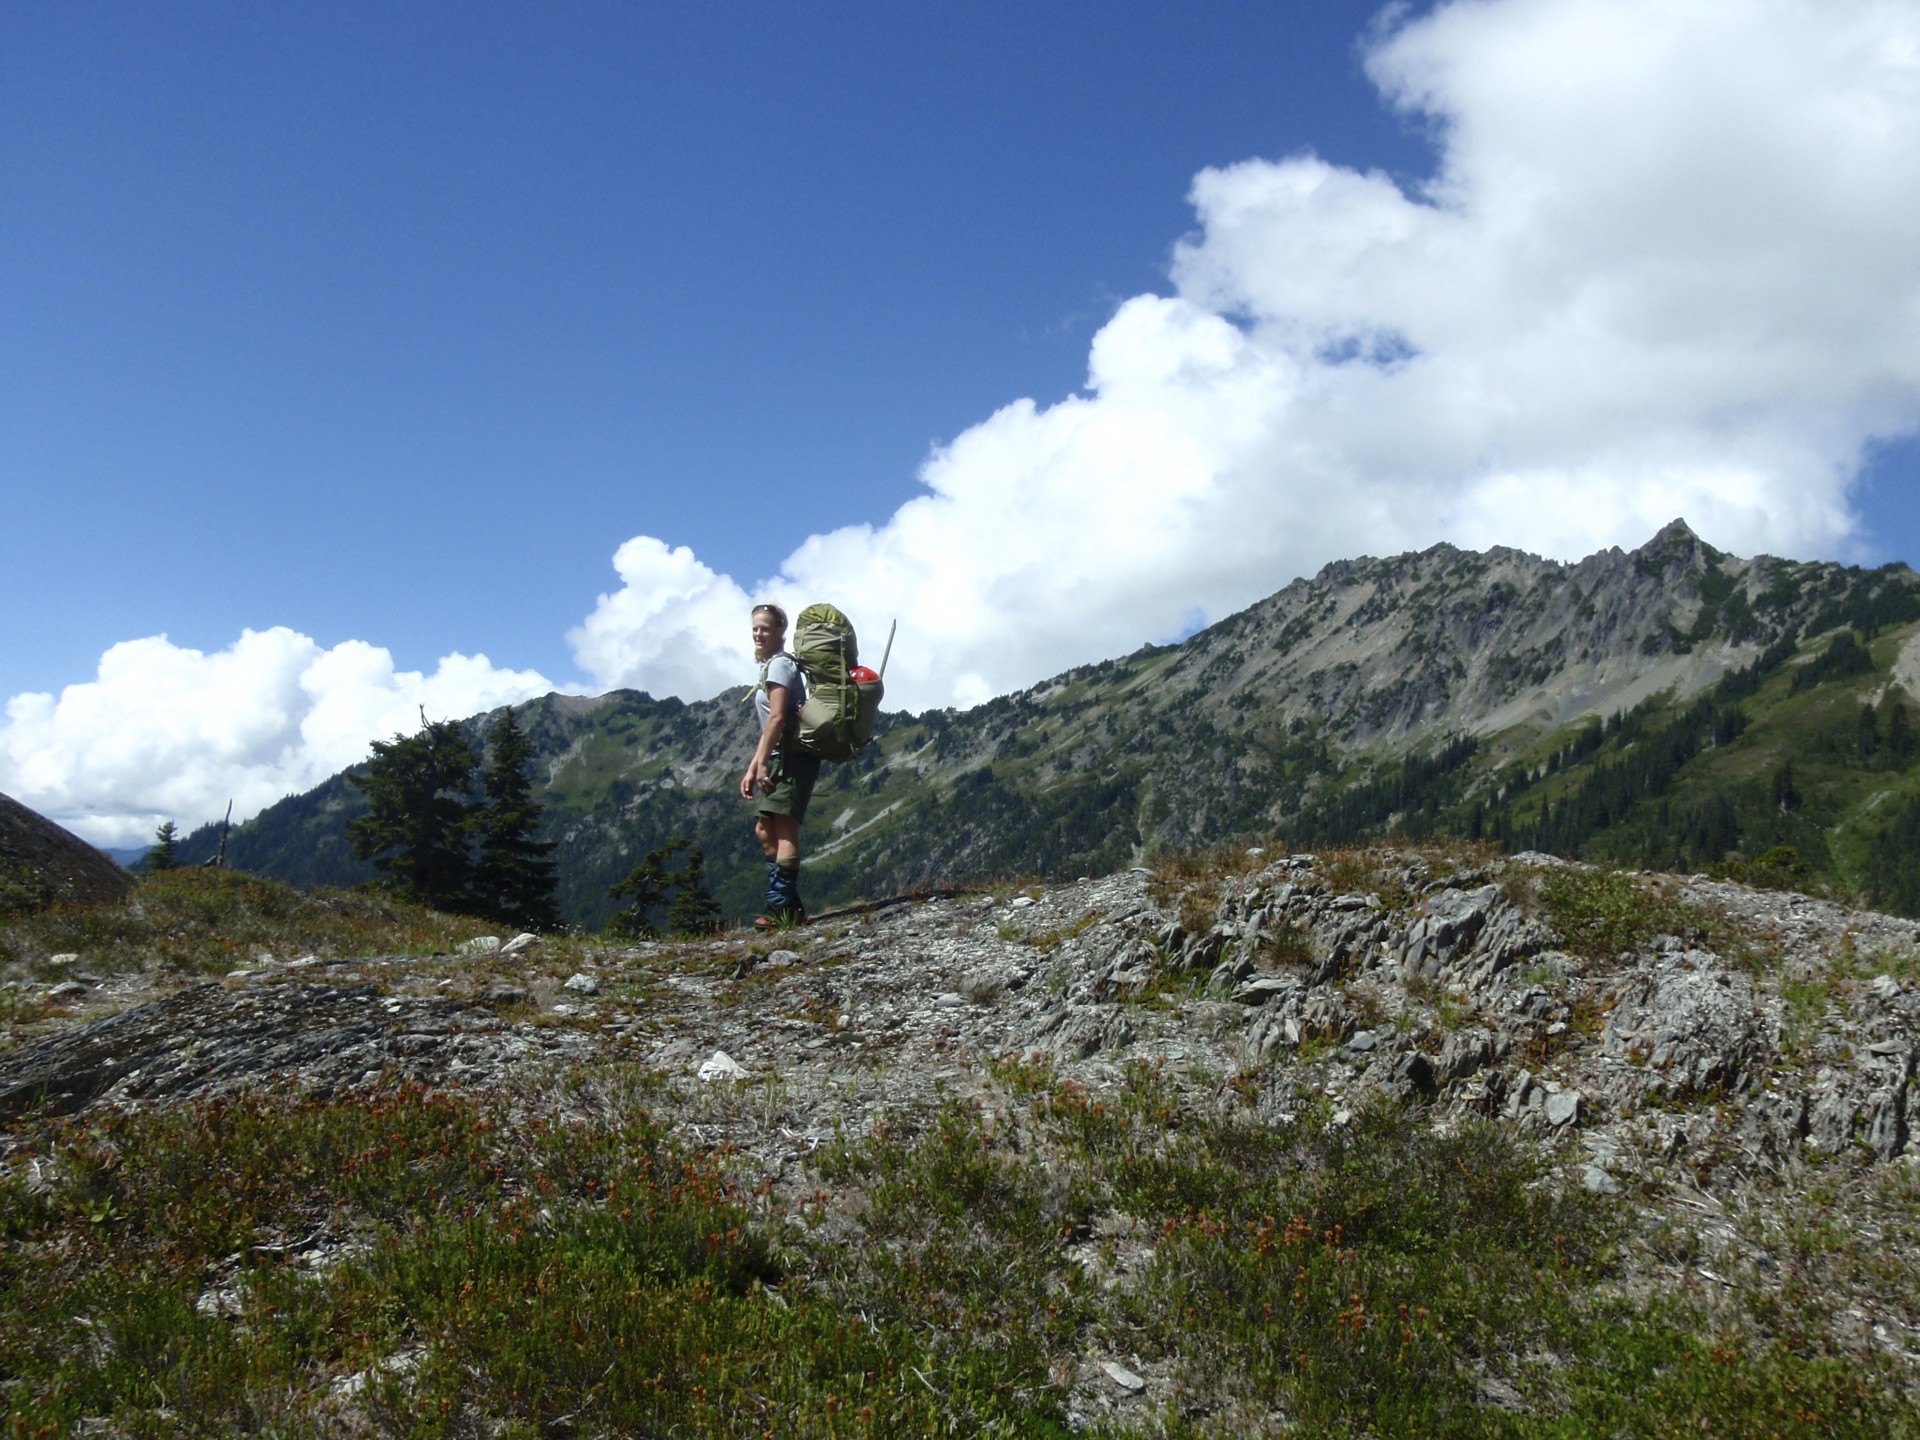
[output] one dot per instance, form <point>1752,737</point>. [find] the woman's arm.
<point>755,780</point>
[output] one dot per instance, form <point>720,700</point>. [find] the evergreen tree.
<point>694,910</point>
<point>417,826</point>
<point>646,889</point>
<point>1894,864</point>
<point>1844,656</point>
<point>1786,794</point>
<point>513,877</point>
<point>656,885</point>
<point>1900,736</point>
<point>162,856</point>
<point>1867,733</point>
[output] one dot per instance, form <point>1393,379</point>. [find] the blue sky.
<point>393,321</point>
<point>381,331</point>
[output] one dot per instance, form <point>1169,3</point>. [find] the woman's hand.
<point>755,781</point>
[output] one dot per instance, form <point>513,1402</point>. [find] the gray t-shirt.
<point>782,669</point>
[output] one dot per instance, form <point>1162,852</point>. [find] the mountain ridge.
<point>1446,673</point>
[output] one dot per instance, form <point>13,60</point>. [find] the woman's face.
<point>766,636</point>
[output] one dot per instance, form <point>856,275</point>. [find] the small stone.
<point>1563,1107</point>
<point>220,1303</point>
<point>779,959</point>
<point>405,1363</point>
<point>503,995</point>
<point>1598,1181</point>
<point>1123,1377</point>
<point>583,984</point>
<point>1884,986</point>
<point>66,989</point>
<point>952,1000</point>
<point>525,940</point>
<point>1342,1117</point>
<point>565,1009</point>
<point>721,1066</point>
<point>65,957</point>
<point>1020,902</point>
<point>479,945</point>
<point>238,974</point>
<point>1254,852</point>
<point>1362,1042</point>
<point>1262,988</point>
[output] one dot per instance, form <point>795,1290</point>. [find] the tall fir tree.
<point>419,818</point>
<point>162,856</point>
<point>513,877</point>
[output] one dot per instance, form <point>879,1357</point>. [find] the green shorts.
<point>792,776</point>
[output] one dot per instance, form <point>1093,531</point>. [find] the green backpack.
<point>843,696</point>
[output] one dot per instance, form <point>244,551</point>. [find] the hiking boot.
<point>783,890</point>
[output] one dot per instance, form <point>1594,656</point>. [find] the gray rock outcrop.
<point>1442,988</point>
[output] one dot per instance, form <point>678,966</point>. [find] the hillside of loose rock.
<point>1456,1143</point>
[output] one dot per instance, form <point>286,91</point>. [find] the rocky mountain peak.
<point>1676,540</point>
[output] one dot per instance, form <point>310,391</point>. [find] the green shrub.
<point>475,1265</point>
<point>1600,913</point>
<point>201,921</point>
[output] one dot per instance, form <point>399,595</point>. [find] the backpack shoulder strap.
<point>761,683</point>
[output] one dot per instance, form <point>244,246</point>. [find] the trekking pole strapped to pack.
<point>843,696</point>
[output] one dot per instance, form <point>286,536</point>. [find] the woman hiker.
<point>781,775</point>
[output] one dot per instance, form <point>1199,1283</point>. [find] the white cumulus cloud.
<point>673,626</point>
<point>1664,267</point>
<point>165,732</point>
